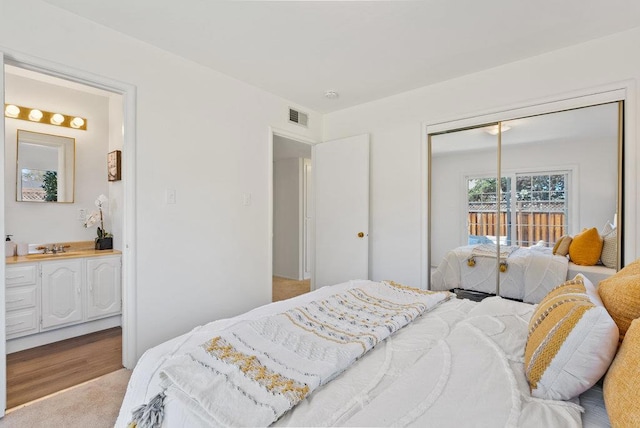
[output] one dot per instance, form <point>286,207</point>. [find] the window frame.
<point>571,187</point>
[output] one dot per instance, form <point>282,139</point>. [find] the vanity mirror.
<point>45,167</point>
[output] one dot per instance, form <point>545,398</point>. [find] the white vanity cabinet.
<point>104,289</point>
<point>61,292</point>
<point>22,300</point>
<point>49,295</point>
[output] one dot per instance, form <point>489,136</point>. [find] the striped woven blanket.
<point>491,250</point>
<point>254,372</point>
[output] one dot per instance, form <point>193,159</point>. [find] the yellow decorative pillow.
<point>562,246</point>
<point>586,247</point>
<point>620,294</point>
<point>572,340</point>
<point>622,382</point>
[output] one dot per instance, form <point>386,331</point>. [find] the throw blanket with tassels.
<point>491,250</point>
<point>254,372</point>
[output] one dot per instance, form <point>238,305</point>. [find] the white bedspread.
<point>531,273</point>
<point>459,365</point>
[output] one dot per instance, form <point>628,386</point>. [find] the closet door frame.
<point>628,172</point>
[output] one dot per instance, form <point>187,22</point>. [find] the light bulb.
<point>331,94</point>
<point>57,119</point>
<point>77,122</point>
<point>12,111</point>
<point>35,115</point>
<point>495,129</point>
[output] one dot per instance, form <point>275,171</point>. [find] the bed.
<point>529,272</point>
<point>460,361</point>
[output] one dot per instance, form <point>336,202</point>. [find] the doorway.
<point>292,241</point>
<point>32,84</point>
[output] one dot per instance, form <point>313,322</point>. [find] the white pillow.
<point>572,341</point>
<point>609,255</point>
<point>607,229</point>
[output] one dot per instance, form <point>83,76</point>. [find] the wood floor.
<point>36,372</point>
<point>284,288</point>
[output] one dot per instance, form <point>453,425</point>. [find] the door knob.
<point>360,234</point>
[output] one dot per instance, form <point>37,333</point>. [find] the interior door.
<point>341,187</point>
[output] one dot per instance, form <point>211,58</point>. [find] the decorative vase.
<point>104,243</point>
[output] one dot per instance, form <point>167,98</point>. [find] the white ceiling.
<point>363,50</point>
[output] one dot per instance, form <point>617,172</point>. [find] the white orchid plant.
<point>97,216</point>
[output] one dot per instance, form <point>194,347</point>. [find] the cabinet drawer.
<point>21,297</point>
<point>22,322</point>
<point>20,275</point>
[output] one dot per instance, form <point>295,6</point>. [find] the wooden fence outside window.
<point>531,227</point>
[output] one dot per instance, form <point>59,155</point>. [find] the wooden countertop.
<point>71,254</point>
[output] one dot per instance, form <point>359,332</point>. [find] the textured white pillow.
<point>609,255</point>
<point>607,229</point>
<point>572,340</point>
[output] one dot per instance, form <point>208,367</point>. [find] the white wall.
<point>287,197</point>
<point>396,128</point>
<point>41,223</point>
<point>199,132</point>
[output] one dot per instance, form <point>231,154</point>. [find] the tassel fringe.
<point>149,415</point>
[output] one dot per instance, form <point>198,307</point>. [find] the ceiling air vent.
<point>298,117</point>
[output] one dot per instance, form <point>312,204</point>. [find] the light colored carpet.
<point>93,404</point>
<point>284,288</point>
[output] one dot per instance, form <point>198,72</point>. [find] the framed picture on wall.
<point>114,167</point>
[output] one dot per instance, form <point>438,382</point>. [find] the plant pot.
<point>104,243</point>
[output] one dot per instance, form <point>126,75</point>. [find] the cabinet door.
<point>61,293</point>
<point>103,287</point>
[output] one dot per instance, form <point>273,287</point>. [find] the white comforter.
<point>459,365</point>
<point>531,273</point>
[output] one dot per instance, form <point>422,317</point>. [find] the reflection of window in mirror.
<point>39,185</point>
<point>533,208</point>
<point>45,167</point>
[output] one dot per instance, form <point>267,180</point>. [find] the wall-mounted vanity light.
<point>34,115</point>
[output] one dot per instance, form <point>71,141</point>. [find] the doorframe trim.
<point>626,90</point>
<point>129,250</point>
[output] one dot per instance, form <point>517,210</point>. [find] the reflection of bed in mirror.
<point>526,274</point>
<point>519,182</point>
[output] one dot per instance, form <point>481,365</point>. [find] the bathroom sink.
<point>52,255</point>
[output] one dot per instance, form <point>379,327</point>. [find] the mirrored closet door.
<point>522,183</point>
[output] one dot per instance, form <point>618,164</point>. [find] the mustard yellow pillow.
<point>620,294</point>
<point>586,247</point>
<point>562,246</point>
<point>622,382</point>
<point>571,342</point>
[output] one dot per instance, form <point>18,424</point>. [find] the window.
<point>536,210</point>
